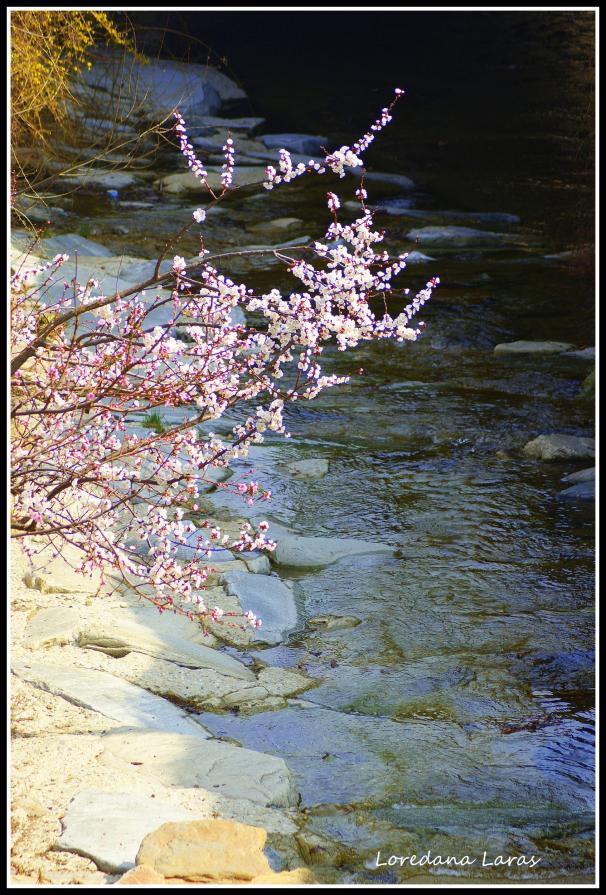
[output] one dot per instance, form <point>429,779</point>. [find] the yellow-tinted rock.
<point>140,876</point>
<point>206,850</point>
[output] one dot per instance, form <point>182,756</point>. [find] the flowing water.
<point>456,718</point>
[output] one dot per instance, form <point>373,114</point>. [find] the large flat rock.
<point>108,827</point>
<point>308,553</point>
<point>221,768</point>
<point>109,695</point>
<point>269,598</point>
<point>171,637</point>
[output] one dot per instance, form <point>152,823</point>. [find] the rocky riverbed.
<point>424,675</point>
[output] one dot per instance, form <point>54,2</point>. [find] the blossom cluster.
<point>87,366</point>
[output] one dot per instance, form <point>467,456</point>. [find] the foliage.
<point>82,476</point>
<point>47,48</point>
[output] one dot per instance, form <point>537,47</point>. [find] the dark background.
<point>498,113</point>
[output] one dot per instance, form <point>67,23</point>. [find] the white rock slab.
<point>71,243</point>
<point>270,600</point>
<point>524,347</point>
<point>110,696</point>
<point>164,636</point>
<point>108,827</point>
<point>308,553</point>
<point>560,447</point>
<point>221,768</point>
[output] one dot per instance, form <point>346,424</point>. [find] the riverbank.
<point>82,728</point>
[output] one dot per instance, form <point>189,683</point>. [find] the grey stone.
<point>108,827</point>
<point>168,636</point>
<point>524,347</point>
<point>457,237</point>
<point>221,768</point>
<point>184,182</point>
<point>582,475</point>
<point>109,695</point>
<point>333,622</point>
<point>301,143</point>
<point>99,178</point>
<point>154,89</point>
<point>232,124</point>
<point>560,447</point>
<point>587,354</point>
<point>69,243</point>
<point>307,552</point>
<point>399,180</point>
<point>418,258</point>
<point>269,598</point>
<point>580,491</point>
<point>275,228</point>
<point>311,468</point>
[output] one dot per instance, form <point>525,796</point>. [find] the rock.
<point>41,213</point>
<point>399,180</point>
<point>184,182</point>
<point>580,491</point>
<point>141,876</point>
<point>272,156</point>
<point>588,386</point>
<point>269,598</point>
<point>109,827</point>
<point>258,563</point>
<point>560,447</point>
<point>281,682</point>
<point>582,475</point>
<point>308,553</point>
<point>333,622</point>
<point>232,124</point>
<point>403,208</point>
<point>523,347</point>
<point>276,228</point>
<point>206,851</point>
<point>389,206</point>
<point>214,143</point>
<point>154,87</point>
<point>70,244</point>
<point>457,237</point>
<point>418,258</point>
<point>167,636</point>
<point>317,849</point>
<point>99,178</point>
<point>312,468</point>
<point>304,144</point>
<point>189,761</point>
<point>109,695</point>
<point>587,354</point>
